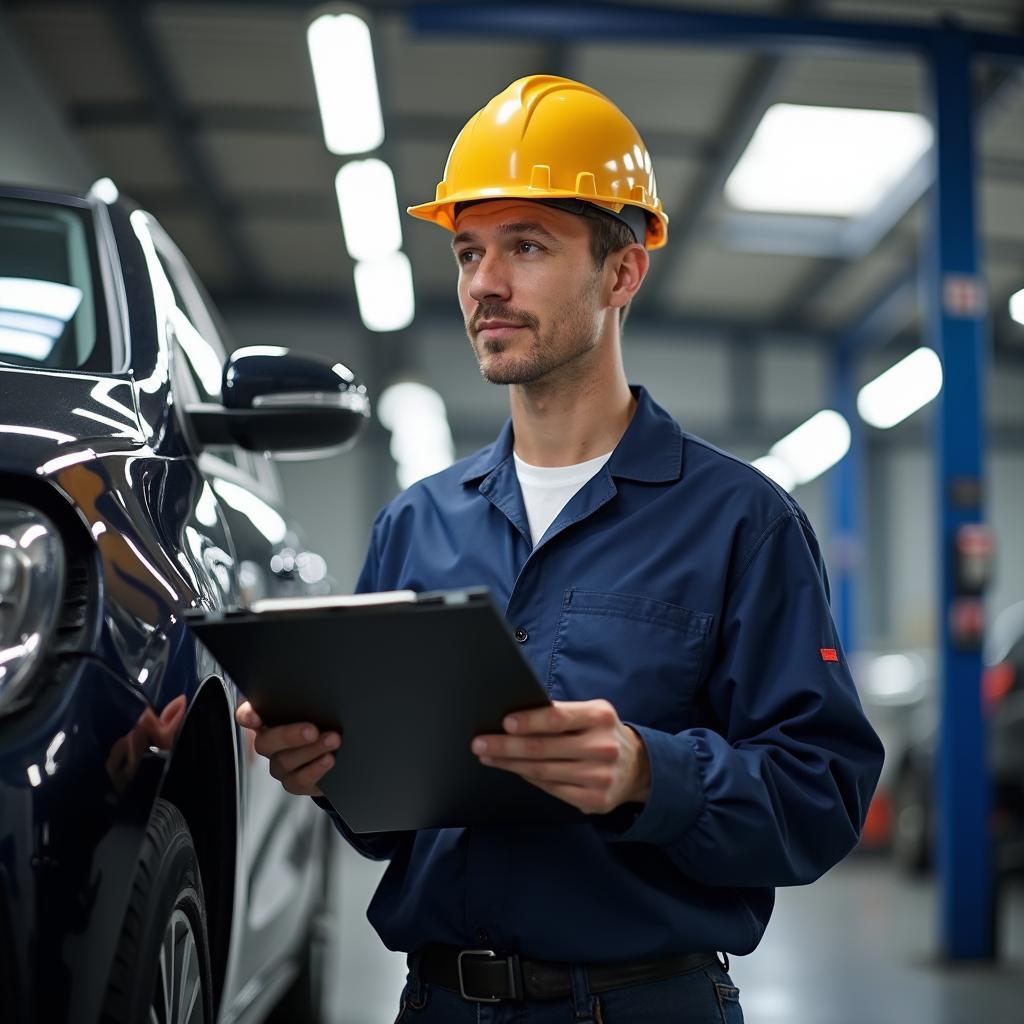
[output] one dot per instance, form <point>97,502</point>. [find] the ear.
<point>628,269</point>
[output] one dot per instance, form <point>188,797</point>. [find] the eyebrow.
<point>523,227</point>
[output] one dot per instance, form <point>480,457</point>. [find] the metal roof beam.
<point>751,100</point>
<point>142,49</point>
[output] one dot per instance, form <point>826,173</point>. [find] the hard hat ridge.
<point>551,138</point>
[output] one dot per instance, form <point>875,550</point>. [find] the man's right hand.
<point>299,754</point>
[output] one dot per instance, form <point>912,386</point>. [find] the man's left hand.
<point>578,751</point>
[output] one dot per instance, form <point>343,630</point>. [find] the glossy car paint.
<point>110,459</point>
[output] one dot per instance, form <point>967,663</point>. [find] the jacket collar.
<point>651,449</point>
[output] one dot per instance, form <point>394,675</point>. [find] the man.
<point>672,599</point>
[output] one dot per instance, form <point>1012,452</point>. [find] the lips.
<point>496,330</point>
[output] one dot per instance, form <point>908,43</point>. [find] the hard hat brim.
<point>442,211</point>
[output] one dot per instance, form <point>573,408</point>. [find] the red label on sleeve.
<point>829,654</point>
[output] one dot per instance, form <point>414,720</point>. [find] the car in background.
<point>150,868</point>
<point>901,696</point>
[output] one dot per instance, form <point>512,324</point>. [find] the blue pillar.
<point>959,334</point>
<point>846,491</point>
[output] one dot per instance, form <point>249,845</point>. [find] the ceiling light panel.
<point>904,388</point>
<point>830,161</point>
<point>341,52</point>
<point>385,293</point>
<point>369,209</point>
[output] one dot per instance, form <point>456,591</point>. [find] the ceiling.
<point>206,114</point>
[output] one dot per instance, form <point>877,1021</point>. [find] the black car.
<point>912,783</point>
<point>150,868</point>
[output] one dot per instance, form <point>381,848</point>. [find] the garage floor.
<point>854,948</point>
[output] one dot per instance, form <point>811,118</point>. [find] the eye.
<point>465,257</point>
<point>529,247</point>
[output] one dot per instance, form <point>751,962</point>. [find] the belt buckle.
<point>490,954</point>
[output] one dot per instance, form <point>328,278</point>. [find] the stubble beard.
<point>568,339</point>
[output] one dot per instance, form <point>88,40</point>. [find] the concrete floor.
<point>857,947</point>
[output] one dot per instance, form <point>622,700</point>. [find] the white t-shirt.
<point>547,489</point>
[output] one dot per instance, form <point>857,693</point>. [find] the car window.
<point>52,310</point>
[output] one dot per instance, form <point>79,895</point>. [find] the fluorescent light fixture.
<point>903,389</point>
<point>384,290</point>
<point>26,344</point>
<point>44,298</point>
<point>1017,306</point>
<point>408,400</point>
<point>814,446</point>
<point>778,470</point>
<point>831,161</point>
<point>421,439</point>
<point>104,190</point>
<point>369,209</point>
<point>341,51</point>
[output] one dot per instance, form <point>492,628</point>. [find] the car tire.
<point>161,970</point>
<point>911,828</point>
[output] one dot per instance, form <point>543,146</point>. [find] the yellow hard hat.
<point>550,138</point>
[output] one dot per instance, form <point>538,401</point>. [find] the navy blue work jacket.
<point>689,590</point>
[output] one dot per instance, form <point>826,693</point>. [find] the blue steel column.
<point>846,490</point>
<point>959,335</point>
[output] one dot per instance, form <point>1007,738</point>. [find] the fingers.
<point>563,716</point>
<point>299,754</point>
<point>303,781</point>
<point>587,746</point>
<point>288,760</point>
<point>246,717</point>
<point>272,740</point>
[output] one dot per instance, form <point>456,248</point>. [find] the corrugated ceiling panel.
<point>202,248</point>
<point>300,255</point>
<point>249,161</point>
<point>136,158</point>
<point>422,75</point>
<point>247,56</point>
<point>79,52</point>
<point>894,82</point>
<point>679,88</point>
<point>858,284</point>
<point>732,285</point>
<point>979,14</point>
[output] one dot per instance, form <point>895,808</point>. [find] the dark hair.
<point>608,235</point>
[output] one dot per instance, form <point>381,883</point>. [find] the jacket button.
<point>521,635</point>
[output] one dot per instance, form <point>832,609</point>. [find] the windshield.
<point>52,311</point>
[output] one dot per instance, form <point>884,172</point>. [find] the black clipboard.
<point>409,679</point>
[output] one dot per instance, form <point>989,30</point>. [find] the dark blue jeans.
<point>702,996</point>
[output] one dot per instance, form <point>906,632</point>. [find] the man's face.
<point>528,288</point>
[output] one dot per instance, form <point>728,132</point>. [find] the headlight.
<point>31,591</point>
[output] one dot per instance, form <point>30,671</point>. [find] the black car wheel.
<point>161,972</point>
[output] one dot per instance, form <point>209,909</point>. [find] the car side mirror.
<point>286,403</point>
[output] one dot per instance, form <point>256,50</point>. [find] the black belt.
<point>483,976</point>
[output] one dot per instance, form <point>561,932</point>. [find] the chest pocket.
<point>644,655</point>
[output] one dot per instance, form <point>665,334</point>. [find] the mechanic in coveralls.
<point>672,599</point>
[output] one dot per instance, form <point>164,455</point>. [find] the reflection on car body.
<point>135,826</point>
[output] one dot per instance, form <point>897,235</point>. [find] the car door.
<point>270,560</point>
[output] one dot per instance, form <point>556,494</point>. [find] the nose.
<point>490,280</point>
